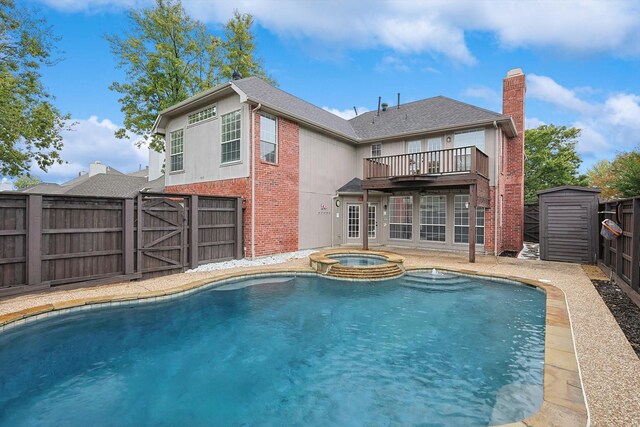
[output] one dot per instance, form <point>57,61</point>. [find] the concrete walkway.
<point>610,368</point>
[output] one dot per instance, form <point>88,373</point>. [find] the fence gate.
<point>163,239</point>
<point>532,223</point>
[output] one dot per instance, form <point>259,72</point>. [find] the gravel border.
<point>624,310</point>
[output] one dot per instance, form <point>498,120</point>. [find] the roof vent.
<point>236,75</point>
<point>384,106</point>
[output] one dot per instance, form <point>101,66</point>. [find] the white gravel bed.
<point>266,260</point>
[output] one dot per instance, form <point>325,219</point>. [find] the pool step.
<point>382,271</point>
<point>438,284</point>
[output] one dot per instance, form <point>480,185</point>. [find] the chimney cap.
<point>514,72</point>
<point>384,106</point>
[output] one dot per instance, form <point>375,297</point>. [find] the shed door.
<point>568,226</point>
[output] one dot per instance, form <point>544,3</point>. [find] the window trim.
<point>379,145</point>
<point>400,223</point>
<point>239,159</point>
<point>358,224</point>
<point>215,114</point>
<point>427,224</point>
<point>276,143</point>
<point>171,153</point>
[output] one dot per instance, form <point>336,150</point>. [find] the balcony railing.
<point>440,162</point>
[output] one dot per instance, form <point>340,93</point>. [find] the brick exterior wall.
<point>512,187</point>
<point>277,193</point>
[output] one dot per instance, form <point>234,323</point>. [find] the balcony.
<point>428,165</point>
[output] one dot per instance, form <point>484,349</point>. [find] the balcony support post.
<point>473,202</point>
<point>365,220</point>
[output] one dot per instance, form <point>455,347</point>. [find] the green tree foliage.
<point>551,159</point>
<point>26,181</point>
<point>30,125</point>
<point>239,49</point>
<point>618,178</point>
<point>168,56</point>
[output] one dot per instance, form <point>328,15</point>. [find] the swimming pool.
<point>452,350</point>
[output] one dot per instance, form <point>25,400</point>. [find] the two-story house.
<point>411,175</point>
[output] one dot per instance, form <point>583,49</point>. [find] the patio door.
<point>373,221</point>
<point>414,148</point>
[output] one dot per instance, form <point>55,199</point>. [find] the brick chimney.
<point>514,89</point>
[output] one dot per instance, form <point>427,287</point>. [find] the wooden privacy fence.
<point>622,255</point>
<point>51,240</point>
<point>531,223</point>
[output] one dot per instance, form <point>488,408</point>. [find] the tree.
<point>26,181</point>
<point>600,175</point>
<point>167,57</point>
<point>626,174</point>
<point>30,125</point>
<point>239,49</point>
<point>551,159</point>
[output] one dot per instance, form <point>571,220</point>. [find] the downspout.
<point>498,164</point>
<point>253,181</point>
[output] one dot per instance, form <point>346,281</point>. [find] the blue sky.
<point>582,61</point>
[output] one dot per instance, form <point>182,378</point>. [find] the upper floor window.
<point>467,138</point>
<point>201,115</point>
<point>176,151</point>
<point>230,140</point>
<point>376,150</point>
<point>268,139</point>
<point>434,144</point>
<point>414,147</point>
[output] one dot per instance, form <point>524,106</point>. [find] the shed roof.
<point>570,187</point>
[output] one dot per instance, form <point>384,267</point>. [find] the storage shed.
<point>569,224</point>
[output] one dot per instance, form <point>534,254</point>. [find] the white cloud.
<point>608,127</point>
<point>347,113</point>
<point>532,122</point>
<point>546,89</point>
<point>393,63</point>
<point>438,26</point>
<point>483,92</point>
<point>90,140</point>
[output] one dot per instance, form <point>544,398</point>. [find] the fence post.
<point>193,231</point>
<point>34,240</point>
<point>239,229</point>
<point>128,234</point>
<point>139,237</point>
<point>619,250</point>
<point>635,246</point>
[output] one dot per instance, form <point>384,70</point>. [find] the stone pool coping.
<point>563,398</point>
<point>322,262</point>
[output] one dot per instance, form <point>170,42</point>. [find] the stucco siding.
<point>325,165</point>
<point>202,151</point>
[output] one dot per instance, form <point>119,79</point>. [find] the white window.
<point>176,152</point>
<point>434,144</point>
<point>353,221</point>
<point>468,138</point>
<point>413,147</point>
<point>230,141</point>
<point>376,150</point>
<point>433,218</point>
<point>201,115</point>
<point>461,225</point>
<point>268,139</point>
<point>401,217</point>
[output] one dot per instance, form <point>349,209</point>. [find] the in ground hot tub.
<point>359,260</point>
<point>354,264</point>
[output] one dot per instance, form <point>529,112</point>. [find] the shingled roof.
<point>262,92</point>
<point>432,114</point>
<point>421,116</point>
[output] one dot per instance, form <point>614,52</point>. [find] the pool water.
<point>278,351</point>
<point>359,260</point>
